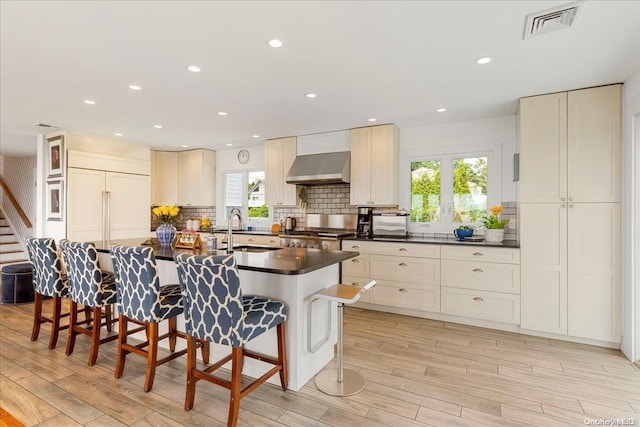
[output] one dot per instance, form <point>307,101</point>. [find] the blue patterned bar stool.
<point>216,311</point>
<point>48,281</point>
<point>141,300</point>
<point>91,287</point>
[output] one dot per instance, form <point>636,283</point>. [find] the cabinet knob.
<point>564,199</point>
<point>478,270</point>
<point>403,290</point>
<point>478,299</point>
<point>571,199</point>
<point>570,205</point>
<point>478,254</point>
<point>563,206</point>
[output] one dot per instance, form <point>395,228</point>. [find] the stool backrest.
<point>212,297</point>
<point>137,282</point>
<point>83,272</point>
<point>47,267</point>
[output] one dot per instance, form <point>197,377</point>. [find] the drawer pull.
<point>478,270</point>
<point>478,299</point>
<point>355,260</point>
<point>251,240</point>
<point>403,250</point>
<point>402,264</point>
<point>356,284</point>
<point>478,254</point>
<point>403,290</point>
<point>355,247</point>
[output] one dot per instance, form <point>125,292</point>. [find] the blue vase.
<point>165,233</point>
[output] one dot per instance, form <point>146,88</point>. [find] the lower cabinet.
<point>494,306</point>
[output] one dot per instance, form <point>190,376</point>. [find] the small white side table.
<point>341,382</point>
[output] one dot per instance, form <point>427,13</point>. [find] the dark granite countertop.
<point>441,241</point>
<point>278,261</point>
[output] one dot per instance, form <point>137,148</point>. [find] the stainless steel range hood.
<point>324,168</point>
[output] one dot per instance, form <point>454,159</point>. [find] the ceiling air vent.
<point>558,18</point>
<point>44,125</point>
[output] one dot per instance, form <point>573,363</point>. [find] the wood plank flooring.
<point>419,372</point>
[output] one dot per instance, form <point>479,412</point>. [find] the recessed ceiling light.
<point>184,145</point>
<point>89,102</point>
<point>372,119</point>
<point>194,68</point>
<point>117,134</point>
<point>135,87</point>
<point>275,43</point>
<point>255,136</point>
<point>310,95</point>
<point>441,110</point>
<point>229,144</point>
<point>222,113</point>
<point>157,126</point>
<point>484,60</point>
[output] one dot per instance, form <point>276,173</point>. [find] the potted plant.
<point>168,216</point>
<point>494,226</point>
<point>463,232</point>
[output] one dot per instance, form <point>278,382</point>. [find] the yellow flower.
<point>496,210</point>
<point>166,214</point>
<point>157,211</point>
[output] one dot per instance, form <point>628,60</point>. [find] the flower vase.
<point>165,234</point>
<point>494,235</point>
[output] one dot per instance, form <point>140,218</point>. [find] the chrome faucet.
<point>234,212</point>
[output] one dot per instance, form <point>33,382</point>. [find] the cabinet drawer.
<point>360,282</point>
<point>416,297</point>
<point>355,246</point>
<point>358,266</point>
<point>481,253</point>
<point>247,239</point>
<point>482,276</point>
<point>494,306</point>
<point>405,249</point>
<point>400,269</point>
<point>271,240</point>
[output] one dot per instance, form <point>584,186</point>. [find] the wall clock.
<point>243,156</point>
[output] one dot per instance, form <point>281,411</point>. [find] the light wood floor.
<point>419,372</point>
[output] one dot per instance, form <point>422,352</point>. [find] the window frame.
<point>221,214</point>
<point>446,158</point>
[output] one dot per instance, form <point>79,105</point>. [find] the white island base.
<point>296,291</point>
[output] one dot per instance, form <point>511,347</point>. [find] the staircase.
<point>11,251</point>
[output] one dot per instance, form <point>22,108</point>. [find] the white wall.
<point>630,218</point>
<point>496,134</point>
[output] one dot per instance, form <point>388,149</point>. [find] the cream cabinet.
<point>279,156</point>
<point>569,213</point>
<point>570,146</point>
<point>355,271</point>
<point>481,283</point>
<point>164,178</point>
<point>374,165</point>
<point>196,178</point>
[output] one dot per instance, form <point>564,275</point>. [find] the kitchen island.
<point>291,275</point>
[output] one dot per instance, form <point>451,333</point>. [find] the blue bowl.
<point>461,234</point>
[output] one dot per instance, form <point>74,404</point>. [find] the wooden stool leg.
<point>95,336</point>
<point>122,339</point>
<point>73,319</point>
<point>152,355</point>
<point>55,325</point>
<point>236,384</point>
<point>206,351</point>
<point>282,355</point>
<point>37,317</point>
<point>191,379</point>
<point>108,317</point>
<point>173,335</point>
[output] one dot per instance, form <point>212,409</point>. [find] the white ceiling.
<point>395,61</point>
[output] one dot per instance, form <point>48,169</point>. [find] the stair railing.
<point>14,202</point>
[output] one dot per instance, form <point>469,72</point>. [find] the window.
<point>245,190</point>
<point>449,190</point>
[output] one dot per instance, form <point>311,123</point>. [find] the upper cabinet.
<point>164,178</point>
<point>184,178</point>
<point>374,166</point>
<point>570,146</point>
<point>197,178</point>
<point>279,156</point>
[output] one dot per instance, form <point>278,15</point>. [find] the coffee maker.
<point>364,222</point>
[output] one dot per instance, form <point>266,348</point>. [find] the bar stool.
<point>48,281</point>
<point>91,287</point>
<point>216,311</point>
<point>141,300</point>
<point>341,382</point>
